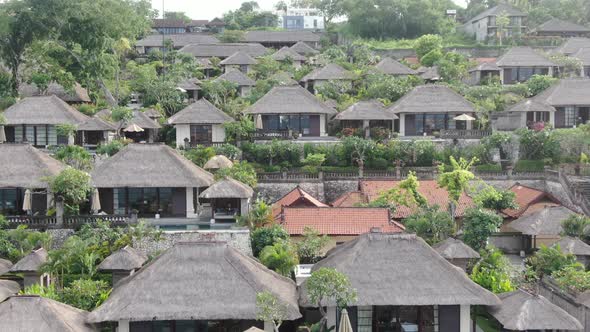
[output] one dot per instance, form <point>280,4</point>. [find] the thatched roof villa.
<point>229,199</point>
<point>30,267</point>
<point>194,283</point>
<point>122,263</point>
<point>154,173</point>
<point>400,278</point>
<point>456,252</point>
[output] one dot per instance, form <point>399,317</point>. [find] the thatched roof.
<point>23,166</point>
<point>287,53</point>
<point>31,262</point>
<point>150,166</point>
<point>190,84</point>
<point>429,73</point>
<point>531,105</point>
<point>201,111</point>
<point>284,79</point>
<point>544,222</point>
<point>238,58</point>
<point>196,281</point>
<point>262,36</point>
<point>35,313</point>
<point>289,100</point>
<point>304,49</point>
<point>218,162</point>
<point>401,269</point>
<point>486,66</point>
<point>43,110</point>
<point>5,266</point>
<point>432,98</point>
<point>331,71</point>
<point>124,259</point>
<point>178,40</point>
<point>8,288</point>
<point>366,110</point>
<point>452,248</point>
<point>152,113</point>
<point>96,124</point>
<point>228,188</point>
<point>567,92</point>
<point>573,45</point>
<point>522,311</point>
<point>570,245</point>
<point>498,10</point>
<point>391,66</point>
<point>557,25</point>
<point>235,76</point>
<point>583,54</point>
<point>143,120</point>
<point>223,50</point>
<point>75,95</point>
<point>524,56</point>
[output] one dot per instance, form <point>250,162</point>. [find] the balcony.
<point>464,133</point>
<point>265,134</point>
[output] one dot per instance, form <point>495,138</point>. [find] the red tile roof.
<point>338,221</point>
<point>350,199</point>
<point>428,188</point>
<point>296,198</point>
<point>526,197</point>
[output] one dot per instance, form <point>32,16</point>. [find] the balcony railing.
<point>203,144</point>
<point>263,134</point>
<point>53,222</point>
<point>464,133</point>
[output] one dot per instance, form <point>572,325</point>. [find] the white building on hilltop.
<point>300,19</point>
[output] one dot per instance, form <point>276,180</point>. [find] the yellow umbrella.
<point>345,325</point>
<point>464,117</point>
<point>95,203</point>
<point>133,128</point>
<point>2,134</point>
<point>28,201</point>
<point>259,121</point>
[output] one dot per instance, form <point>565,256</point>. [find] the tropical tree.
<point>267,236</point>
<point>456,180</point>
<point>575,225</point>
<point>309,249</point>
<point>242,171</point>
<point>271,309</point>
<point>431,224</point>
<point>502,22</point>
<point>72,185</point>
<point>491,198</point>
<point>281,257</point>
<point>478,225</point>
<point>326,285</point>
<point>548,260</point>
<point>493,271</point>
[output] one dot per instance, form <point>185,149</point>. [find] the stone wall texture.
<point>239,239</point>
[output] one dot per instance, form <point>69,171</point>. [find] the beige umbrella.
<point>95,203</point>
<point>345,325</point>
<point>133,128</point>
<point>259,121</point>
<point>2,135</point>
<point>28,201</point>
<point>464,117</point>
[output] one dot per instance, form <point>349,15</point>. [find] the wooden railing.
<point>262,134</point>
<point>53,222</point>
<point>464,133</point>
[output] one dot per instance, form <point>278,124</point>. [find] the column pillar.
<point>268,326</point>
<point>552,119</point>
<point>465,318</point>
<point>331,317</point>
<point>366,128</point>
<point>190,206</point>
<point>402,125</point>
<point>49,199</point>
<point>123,326</point>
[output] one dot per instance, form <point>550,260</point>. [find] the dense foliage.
<point>431,224</point>
<point>493,271</point>
<point>267,236</point>
<point>478,225</point>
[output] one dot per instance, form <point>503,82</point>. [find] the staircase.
<point>579,189</point>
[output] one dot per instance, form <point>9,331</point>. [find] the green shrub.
<point>493,271</point>
<point>200,155</point>
<point>85,294</point>
<point>267,236</point>
<point>87,109</point>
<point>489,168</point>
<point>548,260</point>
<point>572,279</point>
<point>242,171</point>
<point>229,150</point>
<point>280,257</point>
<point>529,166</point>
<point>378,163</point>
<point>112,147</point>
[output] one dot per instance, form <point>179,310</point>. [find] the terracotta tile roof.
<point>296,198</point>
<point>526,198</point>
<point>428,188</point>
<point>350,199</point>
<point>338,221</point>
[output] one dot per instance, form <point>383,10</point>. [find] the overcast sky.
<point>208,9</point>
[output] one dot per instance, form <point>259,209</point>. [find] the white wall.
<point>182,131</point>
<point>323,125</point>
<point>218,133</point>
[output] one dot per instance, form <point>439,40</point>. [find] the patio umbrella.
<point>345,325</point>
<point>133,128</point>
<point>464,117</point>
<point>95,203</point>
<point>27,201</point>
<point>2,135</point>
<point>258,121</point>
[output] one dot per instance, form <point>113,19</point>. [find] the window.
<point>201,134</point>
<point>9,201</point>
<point>570,116</point>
